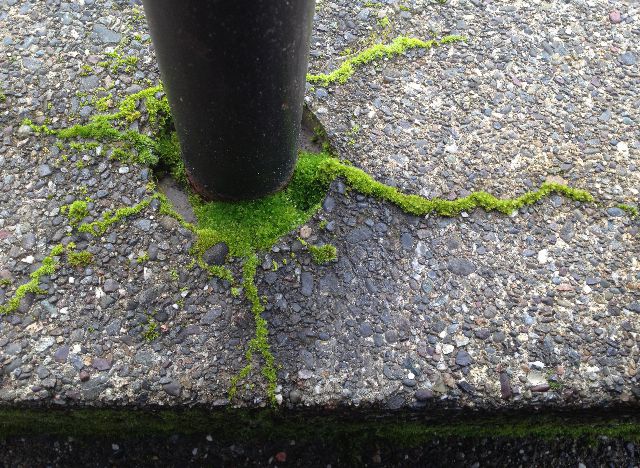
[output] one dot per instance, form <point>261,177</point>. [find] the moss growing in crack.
<point>363,183</point>
<point>142,258</point>
<point>321,254</point>
<point>103,127</point>
<point>397,47</point>
<point>48,267</point>
<point>151,332</point>
<point>97,228</point>
<point>259,344</point>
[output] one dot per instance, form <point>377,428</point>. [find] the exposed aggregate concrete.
<point>482,311</point>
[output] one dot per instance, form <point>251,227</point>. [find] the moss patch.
<point>250,226</point>
<point>399,46</point>
<point>322,254</point>
<point>79,259</point>
<point>75,212</point>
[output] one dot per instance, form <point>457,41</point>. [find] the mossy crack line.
<point>48,267</point>
<point>418,205</point>
<point>397,47</point>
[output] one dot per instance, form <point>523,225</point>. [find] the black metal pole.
<point>234,72</point>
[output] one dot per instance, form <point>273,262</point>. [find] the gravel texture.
<point>484,310</point>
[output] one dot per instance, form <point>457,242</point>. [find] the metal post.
<point>234,72</point>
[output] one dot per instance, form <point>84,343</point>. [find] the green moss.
<point>399,46</point>
<point>363,183</point>
<point>48,267</point>
<point>97,228</point>
<point>75,212</point>
<point>143,258</point>
<point>104,127</point>
<point>79,259</point>
<point>151,332</point>
<point>323,254</point>
<point>251,226</point>
<point>259,344</point>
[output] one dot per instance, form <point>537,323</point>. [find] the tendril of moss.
<point>259,344</point>
<point>399,46</point>
<point>363,183</point>
<point>48,267</point>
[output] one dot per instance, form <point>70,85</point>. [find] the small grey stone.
<point>366,330</point>
<point>24,131</point>
<point>359,235</point>
<point>172,389</point>
<point>152,251</point>
<point>605,116</point>
<point>143,224</point>
<point>466,387</point>
<point>329,204</point>
<point>306,282</point>
<point>42,372</point>
<point>391,336</point>
<point>505,386</point>
<point>86,111</point>
<point>321,93</point>
<point>88,83</point>
<point>29,241</point>
<point>395,402</point>
<point>61,354</point>
<point>423,394</point>
<point>13,348</point>
<point>628,59</point>
<point>210,317</point>
<point>106,35</point>
<point>101,364</point>
<point>216,255</point>
<point>295,396</point>
<point>463,358</point>
<point>145,357</point>
<point>615,17</point>
<point>44,170</point>
<point>406,240</point>
<point>615,212</point>
<point>110,285</point>
<point>31,64</point>
<point>540,388</point>
<point>461,266</point>
<point>634,307</point>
